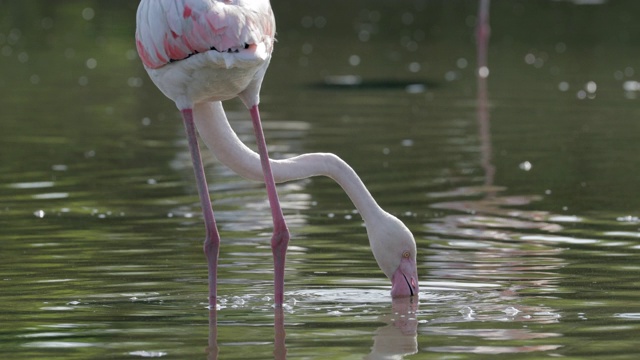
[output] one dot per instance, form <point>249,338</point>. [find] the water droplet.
<point>88,14</point>
<point>23,57</point>
<point>69,53</point>
<point>307,48</point>
<point>131,54</point>
<point>511,311</point>
<point>628,71</point>
<point>320,22</point>
<point>7,50</point>
<point>526,166</point>
<point>307,22</point>
<point>238,301</point>
<point>135,82</point>
<point>407,18</point>
<point>467,312</point>
<point>631,86</point>
<point>46,23</point>
<point>530,59</point>
<point>364,35</point>
<point>354,60</point>
<point>483,72</point>
<point>451,75</point>
<point>91,63</point>
<point>563,86</point>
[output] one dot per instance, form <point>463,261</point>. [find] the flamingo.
<point>202,52</point>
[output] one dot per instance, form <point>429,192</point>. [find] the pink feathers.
<point>171,30</point>
<point>187,11</point>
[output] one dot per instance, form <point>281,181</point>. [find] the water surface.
<point>523,198</point>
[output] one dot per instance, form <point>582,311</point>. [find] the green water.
<point>527,233</point>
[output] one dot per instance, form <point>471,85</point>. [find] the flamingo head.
<point>394,248</point>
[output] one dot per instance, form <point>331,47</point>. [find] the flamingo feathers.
<point>177,29</point>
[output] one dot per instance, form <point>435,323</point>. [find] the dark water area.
<point>521,188</point>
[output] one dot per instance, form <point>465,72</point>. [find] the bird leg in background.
<point>280,238</point>
<point>483,32</point>
<point>212,240</point>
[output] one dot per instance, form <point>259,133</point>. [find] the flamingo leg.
<point>280,238</point>
<point>483,32</point>
<point>212,240</point>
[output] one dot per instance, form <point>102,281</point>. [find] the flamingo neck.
<point>220,138</point>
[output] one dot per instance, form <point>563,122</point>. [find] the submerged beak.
<point>404,281</point>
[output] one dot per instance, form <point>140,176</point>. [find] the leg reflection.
<point>483,33</point>
<point>212,349</point>
<point>280,348</point>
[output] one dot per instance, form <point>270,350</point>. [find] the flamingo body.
<point>221,49</point>
<point>202,52</point>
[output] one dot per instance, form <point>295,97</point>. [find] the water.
<point>523,200</point>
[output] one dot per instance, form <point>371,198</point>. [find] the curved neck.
<point>220,138</point>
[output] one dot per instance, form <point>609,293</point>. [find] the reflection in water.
<point>484,244</point>
<point>483,32</point>
<point>212,349</point>
<point>399,337</point>
<point>394,340</point>
<point>279,348</point>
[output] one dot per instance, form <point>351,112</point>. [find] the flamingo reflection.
<point>394,340</point>
<point>399,337</point>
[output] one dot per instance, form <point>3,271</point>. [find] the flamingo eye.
<point>406,254</point>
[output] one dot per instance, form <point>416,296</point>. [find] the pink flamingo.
<point>201,52</point>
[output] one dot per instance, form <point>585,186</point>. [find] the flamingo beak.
<point>404,282</point>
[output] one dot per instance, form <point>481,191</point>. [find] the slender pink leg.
<point>483,31</point>
<point>212,240</point>
<point>280,238</point>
